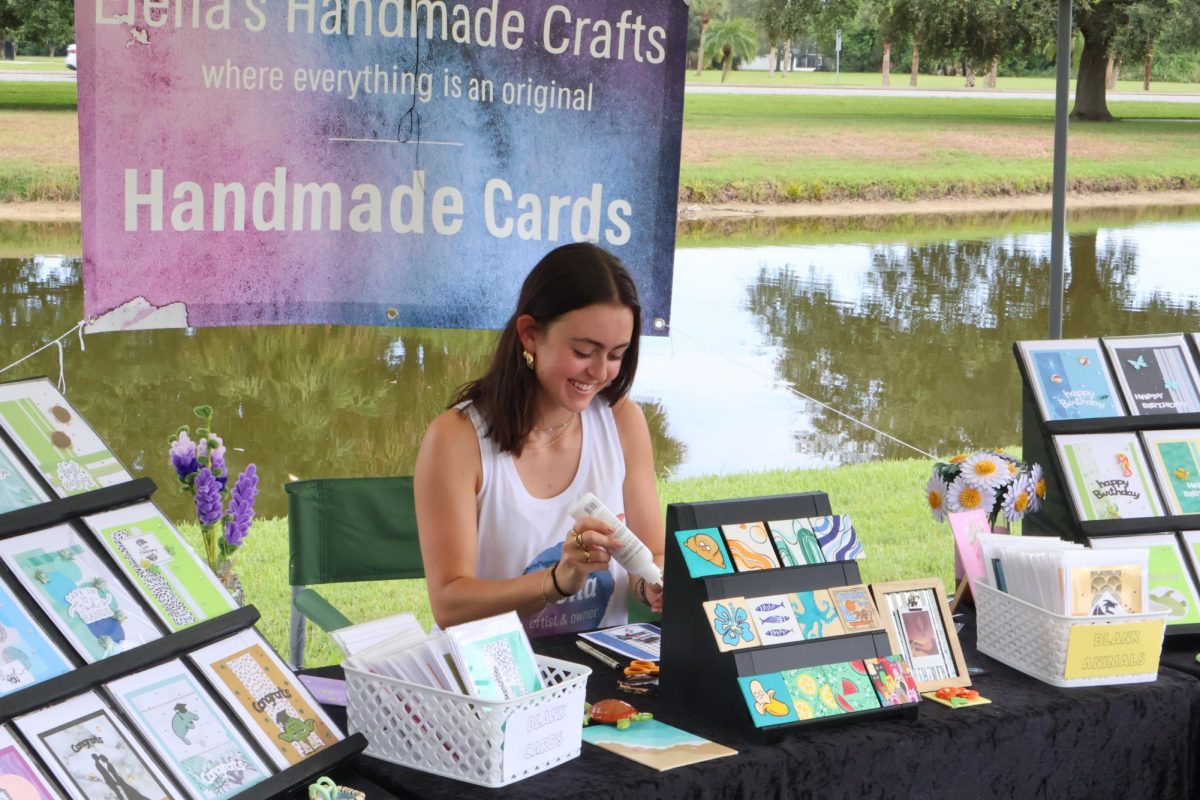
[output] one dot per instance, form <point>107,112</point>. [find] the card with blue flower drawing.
<point>816,614</point>
<point>750,545</point>
<point>93,754</point>
<point>795,542</point>
<point>1070,379</point>
<point>18,488</point>
<point>731,624</point>
<point>855,607</point>
<point>21,777</point>
<point>774,619</point>
<point>837,537</point>
<point>704,552</point>
<point>27,656</point>
<point>201,746</point>
<point>77,590</point>
<point>179,587</point>
<point>56,440</point>
<point>1156,373</point>
<point>768,699</point>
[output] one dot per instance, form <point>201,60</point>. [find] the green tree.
<point>706,11</point>
<point>49,24</point>
<point>729,39</point>
<point>894,20</point>
<point>975,33</point>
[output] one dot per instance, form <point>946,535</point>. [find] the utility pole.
<point>838,55</point>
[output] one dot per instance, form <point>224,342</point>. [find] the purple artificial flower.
<point>183,455</point>
<point>241,506</point>
<point>216,457</point>
<point>208,497</point>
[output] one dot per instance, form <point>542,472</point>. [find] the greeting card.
<point>26,655</point>
<point>1070,379</point>
<point>1168,582</point>
<point>18,488</point>
<point>1107,476</point>
<point>92,753</point>
<point>1175,456</point>
<point>795,542</point>
<point>655,744</point>
<point>893,680</point>
<point>1156,373</point>
<point>495,657</point>
<point>768,699</point>
<point>181,589</point>
<point>20,776</point>
<point>837,538</point>
<point>704,552</point>
<point>966,526</point>
<point>188,731</point>
<point>830,689</point>
<point>816,614</point>
<point>774,619</point>
<point>750,545</point>
<point>79,593</point>
<point>278,711</point>
<point>55,439</point>
<point>856,608</point>
<point>731,624</point>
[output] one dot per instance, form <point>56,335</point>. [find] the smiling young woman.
<point>549,421</point>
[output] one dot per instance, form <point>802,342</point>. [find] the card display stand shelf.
<point>697,675</point>
<point>1058,516</point>
<point>93,676</point>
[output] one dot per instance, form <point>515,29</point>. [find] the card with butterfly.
<point>1157,374</point>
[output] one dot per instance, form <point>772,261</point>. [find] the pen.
<point>594,653</point>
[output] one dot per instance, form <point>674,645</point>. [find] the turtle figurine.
<point>613,712</point>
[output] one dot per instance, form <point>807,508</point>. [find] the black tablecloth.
<point>1033,741</point>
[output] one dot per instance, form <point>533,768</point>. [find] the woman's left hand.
<point>654,593</point>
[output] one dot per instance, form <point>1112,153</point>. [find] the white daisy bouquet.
<point>993,481</point>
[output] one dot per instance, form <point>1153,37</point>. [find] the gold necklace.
<point>552,428</point>
<point>566,426</point>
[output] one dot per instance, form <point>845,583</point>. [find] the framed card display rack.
<point>91,677</point>
<point>695,673</point>
<point>1060,516</point>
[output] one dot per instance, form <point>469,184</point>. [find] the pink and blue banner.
<point>377,162</point>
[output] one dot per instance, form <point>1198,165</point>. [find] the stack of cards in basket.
<point>740,622</point>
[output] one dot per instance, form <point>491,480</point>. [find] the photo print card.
<point>1156,373</point>
<point>18,488</point>
<point>830,689</point>
<point>893,680</point>
<point>731,624</point>
<point>920,628</point>
<point>187,730</point>
<point>855,607</point>
<point>1175,458</point>
<point>704,552</point>
<point>768,699</point>
<point>774,619</point>
<point>1070,379</point>
<point>795,542</point>
<point>816,614</point>
<point>93,755</point>
<point>26,654</point>
<point>275,707</point>
<point>78,591</point>
<point>21,778</point>
<point>178,586</point>
<point>1107,476</point>
<point>837,537</point>
<point>750,545</point>
<point>55,439</point>
<point>1168,581</point>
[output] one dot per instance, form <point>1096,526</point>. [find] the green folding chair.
<point>342,530</point>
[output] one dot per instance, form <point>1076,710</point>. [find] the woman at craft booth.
<point>547,422</point>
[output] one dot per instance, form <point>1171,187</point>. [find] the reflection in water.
<point>912,334</point>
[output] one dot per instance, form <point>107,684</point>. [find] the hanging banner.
<point>380,162</point>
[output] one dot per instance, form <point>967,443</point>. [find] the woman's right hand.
<point>587,548</point>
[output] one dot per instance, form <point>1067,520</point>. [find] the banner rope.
<point>58,343</point>
<point>810,398</point>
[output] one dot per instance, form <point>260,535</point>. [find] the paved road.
<point>983,94</point>
<point>40,77</point>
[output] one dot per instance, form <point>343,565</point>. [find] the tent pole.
<point>1058,226</point>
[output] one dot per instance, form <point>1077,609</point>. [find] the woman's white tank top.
<point>520,533</point>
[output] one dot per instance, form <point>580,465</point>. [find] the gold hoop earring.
<point>528,358</point>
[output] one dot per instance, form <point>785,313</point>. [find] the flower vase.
<point>230,581</point>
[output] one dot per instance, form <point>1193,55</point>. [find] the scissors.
<point>640,666</point>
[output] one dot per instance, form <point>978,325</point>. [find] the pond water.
<point>785,339</point>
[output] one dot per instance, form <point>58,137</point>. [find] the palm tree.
<point>706,10</point>
<point>729,39</point>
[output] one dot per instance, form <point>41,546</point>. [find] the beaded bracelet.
<point>554,578</point>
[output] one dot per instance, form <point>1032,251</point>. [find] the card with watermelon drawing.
<point>816,614</point>
<point>750,545</point>
<point>830,689</point>
<point>795,542</point>
<point>837,538</point>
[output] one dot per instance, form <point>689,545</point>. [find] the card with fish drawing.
<point>704,552</point>
<point>199,745</point>
<point>855,607</point>
<point>750,545</point>
<point>768,699</point>
<point>837,537</point>
<point>276,708</point>
<point>775,620</point>
<point>93,754</point>
<point>816,614</point>
<point>731,624</point>
<point>795,542</point>
<point>21,777</point>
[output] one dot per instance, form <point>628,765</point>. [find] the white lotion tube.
<point>633,554</point>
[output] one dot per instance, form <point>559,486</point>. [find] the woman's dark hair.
<point>567,278</point>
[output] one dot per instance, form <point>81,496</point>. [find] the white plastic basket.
<point>464,737</point>
<point>1035,641</point>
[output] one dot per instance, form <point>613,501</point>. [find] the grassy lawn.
<point>885,499</point>
<point>35,64</point>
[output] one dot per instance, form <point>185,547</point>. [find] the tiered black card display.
<point>697,675</point>
<point>85,677</point>
<point>1058,516</point>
